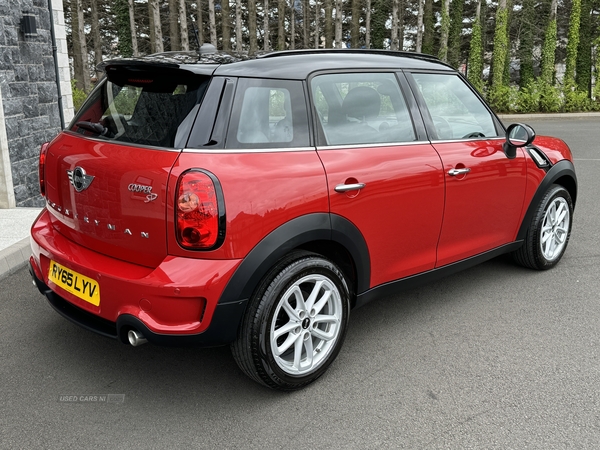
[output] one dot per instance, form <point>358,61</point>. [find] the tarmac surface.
<point>15,223</point>
<point>495,357</point>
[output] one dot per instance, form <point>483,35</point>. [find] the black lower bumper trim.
<point>223,327</point>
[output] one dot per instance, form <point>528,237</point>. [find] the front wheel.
<point>295,324</point>
<point>548,234</point>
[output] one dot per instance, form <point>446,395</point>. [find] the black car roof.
<point>294,64</point>
<point>299,64</point>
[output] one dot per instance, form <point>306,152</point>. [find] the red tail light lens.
<point>199,211</point>
<point>42,168</point>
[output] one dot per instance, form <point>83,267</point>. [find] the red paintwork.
<point>412,214</point>
<point>483,207</point>
<point>262,191</point>
<point>555,149</point>
<point>171,298</point>
<point>107,199</point>
<point>399,211</point>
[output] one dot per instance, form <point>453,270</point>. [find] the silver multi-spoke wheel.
<point>555,228</point>
<point>548,234</point>
<point>306,324</point>
<point>295,323</point>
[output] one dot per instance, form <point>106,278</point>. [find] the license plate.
<point>79,285</point>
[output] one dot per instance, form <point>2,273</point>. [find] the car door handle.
<point>349,187</point>
<point>455,172</point>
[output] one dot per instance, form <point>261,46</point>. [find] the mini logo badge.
<point>79,179</point>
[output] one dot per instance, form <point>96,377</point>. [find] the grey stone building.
<point>33,54</point>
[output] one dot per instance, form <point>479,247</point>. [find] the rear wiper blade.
<point>94,127</point>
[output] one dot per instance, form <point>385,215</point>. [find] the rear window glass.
<point>141,107</point>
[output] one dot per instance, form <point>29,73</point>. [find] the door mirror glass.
<point>517,135</point>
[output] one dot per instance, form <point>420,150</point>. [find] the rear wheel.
<point>295,324</point>
<point>549,231</point>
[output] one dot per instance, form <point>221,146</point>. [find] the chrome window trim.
<point>249,150</point>
<point>371,145</point>
<point>447,141</point>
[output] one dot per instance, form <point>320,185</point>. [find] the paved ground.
<point>494,357</point>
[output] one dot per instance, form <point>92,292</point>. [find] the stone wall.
<point>29,91</point>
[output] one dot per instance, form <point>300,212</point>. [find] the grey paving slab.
<point>15,225</point>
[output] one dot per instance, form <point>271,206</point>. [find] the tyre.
<point>548,234</point>
<point>295,323</point>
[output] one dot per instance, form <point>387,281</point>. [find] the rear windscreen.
<point>145,107</point>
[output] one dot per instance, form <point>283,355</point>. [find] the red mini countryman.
<point>206,200</point>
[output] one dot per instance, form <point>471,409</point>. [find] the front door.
<point>484,189</point>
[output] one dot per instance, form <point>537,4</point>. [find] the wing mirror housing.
<point>517,135</point>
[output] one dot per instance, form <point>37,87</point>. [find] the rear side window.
<point>268,114</point>
<point>141,107</point>
<point>361,108</point>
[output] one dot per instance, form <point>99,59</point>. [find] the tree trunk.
<point>368,25</point>
<point>584,52</point>
<point>394,40</point>
<point>173,25</point>
<point>96,37</point>
<point>500,45</point>
<point>355,35</point>
<point>338,23</point>
<point>305,23</point>
<point>549,48</point>
<point>226,25</point>
<point>428,27</point>
<point>281,25</point>
<point>252,27</point>
<point>328,23</point>
<point>293,26</point>
<point>317,17</point>
<point>156,44</point>
<point>212,23</point>
<point>419,43</point>
<point>199,25</point>
<point>238,26</point>
<point>266,46</point>
<point>445,25</point>
<point>475,70</point>
<point>455,33</point>
<point>134,44</point>
<point>80,62</point>
<point>526,44</point>
<point>185,41</point>
<point>572,45</point>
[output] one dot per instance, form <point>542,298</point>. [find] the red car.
<point>202,200</point>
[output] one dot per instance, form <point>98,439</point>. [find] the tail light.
<point>200,211</point>
<point>42,168</point>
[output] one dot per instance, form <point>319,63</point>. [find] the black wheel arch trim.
<point>293,234</point>
<point>561,169</point>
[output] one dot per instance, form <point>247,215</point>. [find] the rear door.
<point>382,174</point>
<point>107,175</point>
<point>484,189</point>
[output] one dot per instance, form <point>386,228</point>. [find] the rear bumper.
<point>176,303</point>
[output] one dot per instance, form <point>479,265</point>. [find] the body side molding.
<point>430,276</point>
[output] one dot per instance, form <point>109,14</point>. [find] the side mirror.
<point>517,135</point>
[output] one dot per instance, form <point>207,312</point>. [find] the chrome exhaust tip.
<point>136,338</point>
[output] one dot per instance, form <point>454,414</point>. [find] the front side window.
<point>268,113</point>
<point>456,112</point>
<point>361,108</point>
<point>144,107</point>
